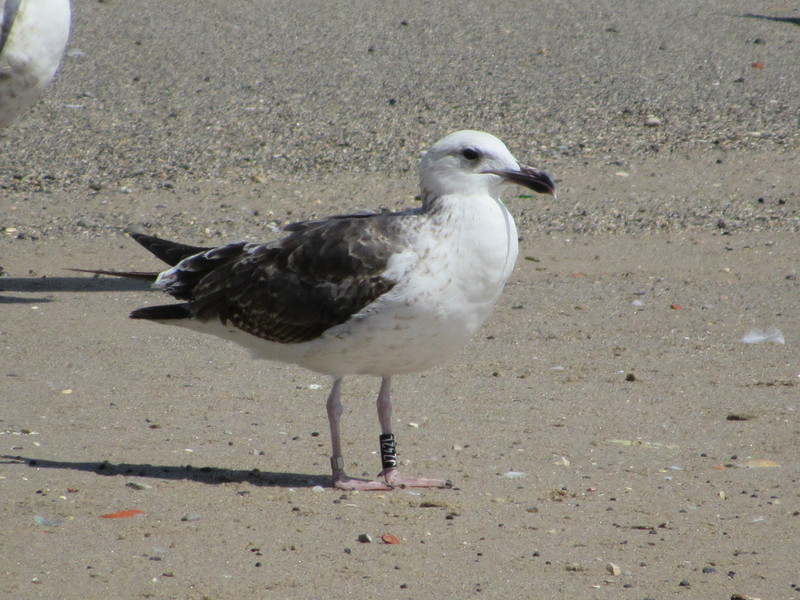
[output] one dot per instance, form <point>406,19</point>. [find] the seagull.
<point>33,37</point>
<point>383,293</point>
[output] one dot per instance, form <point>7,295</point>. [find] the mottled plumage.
<point>291,290</point>
<point>379,294</point>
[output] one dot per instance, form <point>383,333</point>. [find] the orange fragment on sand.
<point>388,538</point>
<point>719,467</point>
<point>758,65</point>
<point>123,514</point>
<point>675,306</point>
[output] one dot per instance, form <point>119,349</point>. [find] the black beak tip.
<point>544,184</point>
<point>531,178</point>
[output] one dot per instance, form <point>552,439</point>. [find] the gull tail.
<point>171,253</point>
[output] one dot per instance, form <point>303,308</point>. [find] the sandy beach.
<point>608,432</point>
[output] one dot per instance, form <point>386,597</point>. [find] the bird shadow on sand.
<point>208,475</point>
<point>46,285</point>
<point>790,20</point>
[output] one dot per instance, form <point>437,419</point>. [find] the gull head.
<point>474,162</point>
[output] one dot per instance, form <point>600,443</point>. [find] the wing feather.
<point>296,288</point>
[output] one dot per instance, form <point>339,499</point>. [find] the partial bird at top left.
<point>33,37</point>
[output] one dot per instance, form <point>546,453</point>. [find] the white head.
<point>470,162</point>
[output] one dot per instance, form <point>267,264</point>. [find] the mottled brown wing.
<point>294,289</point>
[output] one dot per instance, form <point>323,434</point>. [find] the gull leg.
<point>390,472</point>
<point>340,479</point>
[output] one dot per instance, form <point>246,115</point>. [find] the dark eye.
<point>470,153</point>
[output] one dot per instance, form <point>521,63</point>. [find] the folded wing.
<point>287,291</point>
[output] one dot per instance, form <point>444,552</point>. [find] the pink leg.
<point>391,474</point>
<point>340,479</point>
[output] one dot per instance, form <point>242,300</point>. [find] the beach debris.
<point>613,569</point>
<point>317,489</point>
<point>740,417</point>
<point>652,121</point>
<point>770,334</point>
<point>364,538</point>
<point>514,474</point>
<point>761,463</point>
<point>643,444</point>
<point>743,597</point>
<point>389,538</point>
<point>123,514</point>
<point>757,65</point>
<point>191,517</point>
<point>431,504</point>
<point>135,485</point>
<point>676,307</point>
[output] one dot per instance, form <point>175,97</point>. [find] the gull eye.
<point>470,153</point>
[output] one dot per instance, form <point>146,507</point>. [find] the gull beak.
<point>531,178</point>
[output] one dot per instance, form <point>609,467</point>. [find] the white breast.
<point>449,281</point>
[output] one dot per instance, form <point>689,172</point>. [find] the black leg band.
<point>388,451</point>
